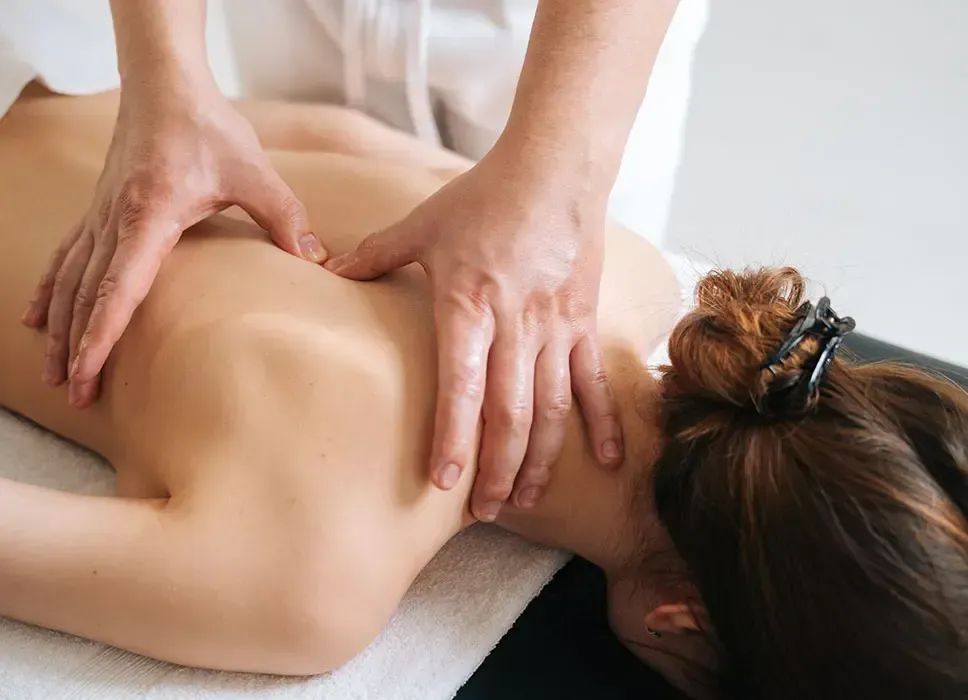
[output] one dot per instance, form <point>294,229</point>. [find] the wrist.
<point>161,44</point>
<point>165,70</point>
<point>546,163</point>
<point>161,87</point>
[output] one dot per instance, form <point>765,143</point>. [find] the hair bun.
<point>717,351</point>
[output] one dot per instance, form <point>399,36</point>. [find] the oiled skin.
<point>269,422</point>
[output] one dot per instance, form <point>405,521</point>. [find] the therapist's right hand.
<point>178,156</point>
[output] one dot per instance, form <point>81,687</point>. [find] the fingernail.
<point>489,511</point>
<point>334,264</point>
<point>310,248</point>
<point>73,396</point>
<point>610,450</point>
<point>74,367</point>
<point>27,315</point>
<point>529,496</point>
<point>47,377</point>
<point>449,476</point>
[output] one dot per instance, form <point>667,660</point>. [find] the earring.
<point>654,634</point>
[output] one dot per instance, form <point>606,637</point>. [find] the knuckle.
<point>598,376</point>
<point>109,287</point>
<point>102,215</point>
<point>477,301</point>
<point>608,413</point>
<point>470,296</point>
<point>558,408</point>
<point>498,486</point>
<point>43,289</point>
<point>57,334</point>
<point>466,382</point>
<point>578,308</point>
<point>49,277</point>
<point>56,259</point>
<point>85,298</point>
<point>515,418</point>
<point>538,473</point>
<point>370,243</point>
<point>604,411</point>
<point>291,210</point>
<point>538,307</point>
<point>60,280</point>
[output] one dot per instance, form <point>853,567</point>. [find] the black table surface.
<point>561,646</point>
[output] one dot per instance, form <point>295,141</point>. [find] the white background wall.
<point>833,135</point>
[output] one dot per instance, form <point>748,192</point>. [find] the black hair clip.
<point>830,329</point>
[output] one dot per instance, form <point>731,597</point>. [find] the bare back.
<point>259,393</point>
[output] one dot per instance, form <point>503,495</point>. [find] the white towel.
<point>454,614</point>
<point>457,610</point>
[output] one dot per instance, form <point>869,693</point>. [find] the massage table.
<point>560,646</point>
<point>479,623</point>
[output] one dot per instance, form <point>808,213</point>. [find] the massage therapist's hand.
<point>178,155</point>
<point>515,261</point>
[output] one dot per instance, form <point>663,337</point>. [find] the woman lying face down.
<point>269,422</point>
<point>788,542</point>
<point>754,546</point>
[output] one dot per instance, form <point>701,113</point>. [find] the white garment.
<point>442,69</point>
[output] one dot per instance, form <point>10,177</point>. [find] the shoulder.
<point>640,296</point>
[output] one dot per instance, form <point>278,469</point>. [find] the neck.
<point>585,508</point>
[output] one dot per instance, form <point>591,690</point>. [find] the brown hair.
<point>829,547</point>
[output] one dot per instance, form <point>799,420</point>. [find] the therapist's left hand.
<point>515,258</point>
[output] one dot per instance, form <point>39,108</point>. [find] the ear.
<point>676,618</point>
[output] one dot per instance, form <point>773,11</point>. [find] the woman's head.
<point>826,545</point>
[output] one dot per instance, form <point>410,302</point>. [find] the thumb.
<point>274,207</point>
<point>379,253</point>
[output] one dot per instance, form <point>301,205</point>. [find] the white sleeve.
<point>475,60</point>
<point>68,45</point>
<point>15,73</point>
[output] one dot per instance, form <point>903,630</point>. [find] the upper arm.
<point>197,583</point>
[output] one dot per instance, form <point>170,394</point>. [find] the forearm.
<point>160,42</point>
<point>584,78</point>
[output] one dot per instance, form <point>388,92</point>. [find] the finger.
<point>125,284</point>
<point>552,406</point>
<point>590,383</point>
<point>508,409</point>
<point>273,206</point>
<point>380,253</point>
<point>36,314</point>
<point>82,393</point>
<point>463,340</point>
<point>61,309</point>
<point>87,290</point>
